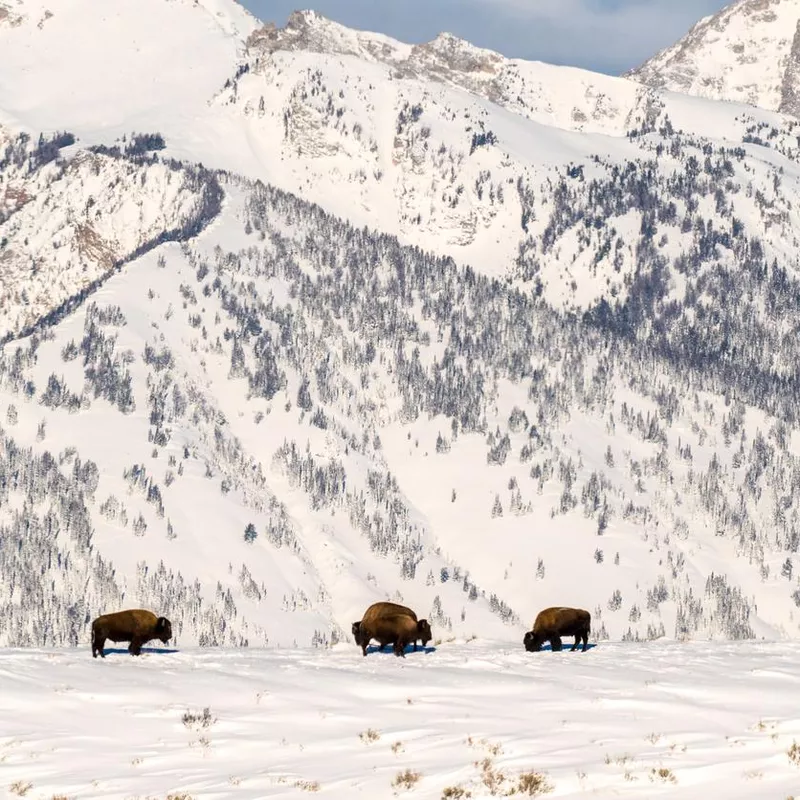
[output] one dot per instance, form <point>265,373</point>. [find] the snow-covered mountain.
<point>66,225</point>
<point>748,52</point>
<point>307,317</point>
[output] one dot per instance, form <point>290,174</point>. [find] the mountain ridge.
<point>743,53</point>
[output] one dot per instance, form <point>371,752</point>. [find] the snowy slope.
<point>183,424</point>
<point>466,720</point>
<point>391,426</point>
<point>66,225</point>
<point>71,59</point>
<point>745,53</point>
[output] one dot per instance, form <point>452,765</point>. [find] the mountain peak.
<point>458,54</point>
<point>311,31</point>
<point>740,54</point>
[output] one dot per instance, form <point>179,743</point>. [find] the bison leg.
<point>585,638</point>
<point>98,643</point>
<point>400,648</point>
<point>577,642</point>
<point>135,647</point>
<point>555,643</point>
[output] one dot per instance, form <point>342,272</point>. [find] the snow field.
<point>650,720</point>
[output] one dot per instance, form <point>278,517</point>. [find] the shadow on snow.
<point>564,649</point>
<point>374,648</point>
<point>148,650</point>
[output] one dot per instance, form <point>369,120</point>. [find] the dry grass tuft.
<point>20,788</point>
<point>663,774</point>
<point>407,779</point>
<point>498,783</point>
<point>493,749</point>
<point>532,784</point>
<point>493,779</point>
<point>196,720</point>
<point>456,793</point>
<point>794,753</point>
<point>307,786</point>
<point>369,735</point>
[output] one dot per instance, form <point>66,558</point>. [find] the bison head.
<point>532,642</point>
<point>356,627</point>
<point>163,629</point>
<point>424,631</point>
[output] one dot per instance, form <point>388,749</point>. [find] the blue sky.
<point>605,35</point>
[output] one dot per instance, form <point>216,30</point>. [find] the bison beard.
<point>136,626</point>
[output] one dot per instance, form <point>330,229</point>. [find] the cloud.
<point>605,35</point>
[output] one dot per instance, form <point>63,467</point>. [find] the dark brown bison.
<point>134,625</point>
<point>553,623</point>
<point>391,623</point>
<point>382,607</point>
<point>398,630</point>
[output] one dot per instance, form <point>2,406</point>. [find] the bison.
<point>382,607</point>
<point>135,625</point>
<point>395,629</point>
<point>553,623</point>
<point>391,623</point>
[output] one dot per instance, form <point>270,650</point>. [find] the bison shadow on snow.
<point>145,651</point>
<point>388,650</point>
<point>566,648</point>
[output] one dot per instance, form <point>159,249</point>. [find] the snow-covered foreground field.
<point>622,720</point>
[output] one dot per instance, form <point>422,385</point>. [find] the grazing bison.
<point>382,607</point>
<point>135,625</point>
<point>553,623</point>
<point>391,623</point>
<point>398,630</point>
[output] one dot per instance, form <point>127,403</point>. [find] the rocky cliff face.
<point>745,53</point>
<point>790,90</point>
<point>569,98</point>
